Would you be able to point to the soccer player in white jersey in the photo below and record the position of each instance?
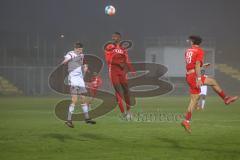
(76, 69)
(203, 94)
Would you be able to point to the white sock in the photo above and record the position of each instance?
(70, 111)
(203, 103)
(85, 110)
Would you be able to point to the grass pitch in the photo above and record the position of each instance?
(29, 130)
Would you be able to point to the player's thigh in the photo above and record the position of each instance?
(210, 81)
(83, 99)
(74, 98)
(115, 79)
(193, 88)
(194, 99)
(123, 78)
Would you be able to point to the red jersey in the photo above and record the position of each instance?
(116, 57)
(192, 55)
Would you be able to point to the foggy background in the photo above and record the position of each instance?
(36, 34)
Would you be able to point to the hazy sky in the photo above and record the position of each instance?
(85, 19)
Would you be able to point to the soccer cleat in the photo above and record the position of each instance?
(229, 100)
(186, 126)
(89, 121)
(129, 116)
(69, 124)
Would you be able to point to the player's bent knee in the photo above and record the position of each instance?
(83, 98)
(195, 97)
(74, 99)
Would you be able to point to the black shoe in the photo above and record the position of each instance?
(69, 124)
(89, 121)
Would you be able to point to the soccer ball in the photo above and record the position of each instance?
(110, 10)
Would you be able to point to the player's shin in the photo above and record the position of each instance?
(192, 104)
(70, 111)
(215, 86)
(127, 101)
(119, 101)
(203, 103)
(85, 111)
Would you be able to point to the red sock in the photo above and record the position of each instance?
(221, 94)
(188, 116)
(119, 100)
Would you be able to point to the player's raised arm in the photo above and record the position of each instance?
(65, 61)
(67, 57)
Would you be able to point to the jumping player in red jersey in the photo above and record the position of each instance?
(194, 61)
(119, 65)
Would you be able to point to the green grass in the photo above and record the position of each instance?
(30, 130)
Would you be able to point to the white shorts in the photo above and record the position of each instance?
(77, 84)
(203, 90)
(75, 80)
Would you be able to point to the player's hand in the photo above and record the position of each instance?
(206, 65)
(85, 70)
(199, 83)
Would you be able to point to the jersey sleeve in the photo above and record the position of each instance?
(108, 56)
(109, 47)
(67, 57)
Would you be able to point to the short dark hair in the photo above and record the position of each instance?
(78, 45)
(117, 33)
(197, 40)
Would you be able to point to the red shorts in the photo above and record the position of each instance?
(191, 80)
(118, 77)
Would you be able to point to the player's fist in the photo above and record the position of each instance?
(199, 82)
(206, 65)
(133, 73)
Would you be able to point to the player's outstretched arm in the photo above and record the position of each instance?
(206, 65)
(65, 61)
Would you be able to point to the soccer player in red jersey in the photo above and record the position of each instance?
(194, 61)
(119, 65)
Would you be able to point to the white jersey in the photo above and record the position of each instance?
(75, 63)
